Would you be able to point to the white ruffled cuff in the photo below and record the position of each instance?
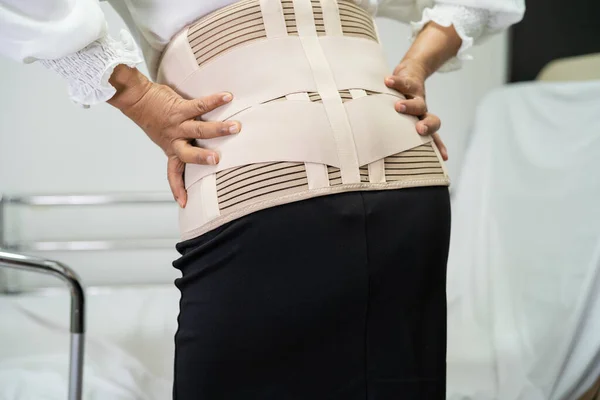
(87, 72)
(469, 23)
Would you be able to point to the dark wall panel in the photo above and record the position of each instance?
(553, 29)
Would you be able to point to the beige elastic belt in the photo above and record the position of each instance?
(307, 79)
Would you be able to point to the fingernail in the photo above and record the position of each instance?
(180, 202)
(234, 128)
(389, 81)
(227, 97)
(424, 129)
(211, 160)
(402, 108)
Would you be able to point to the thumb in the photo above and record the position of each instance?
(175, 169)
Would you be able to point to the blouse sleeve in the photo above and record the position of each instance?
(69, 37)
(473, 20)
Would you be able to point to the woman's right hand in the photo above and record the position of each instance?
(170, 121)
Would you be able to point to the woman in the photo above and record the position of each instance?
(316, 217)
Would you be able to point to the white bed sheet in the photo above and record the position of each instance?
(129, 345)
(524, 268)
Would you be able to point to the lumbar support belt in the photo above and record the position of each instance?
(307, 80)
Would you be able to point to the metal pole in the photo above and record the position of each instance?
(77, 324)
(76, 366)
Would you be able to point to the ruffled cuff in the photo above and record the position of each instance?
(469, 23)
(87, 72)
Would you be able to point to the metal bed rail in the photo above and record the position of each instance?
(66, 200)
(11, 258)
(90, 199)
(77, 320)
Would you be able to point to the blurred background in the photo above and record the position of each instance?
(522, 125)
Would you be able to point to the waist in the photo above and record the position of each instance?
(308, 84)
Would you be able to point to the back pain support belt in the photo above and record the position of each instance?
(307, 78)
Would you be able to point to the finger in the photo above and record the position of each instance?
(175, 169)
(416, 106)
(429, 124)
(194, 155)
(197, 107)
(407, 86)
(441, 146)
(192, 129)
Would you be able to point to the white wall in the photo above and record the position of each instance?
(48, 145)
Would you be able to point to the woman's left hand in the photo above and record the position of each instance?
(409, 79)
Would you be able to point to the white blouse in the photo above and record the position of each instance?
(70, 36)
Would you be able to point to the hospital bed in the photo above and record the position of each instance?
(523, 274)
(524, 265)
(77, 312)
(578, 68)
(129, 348)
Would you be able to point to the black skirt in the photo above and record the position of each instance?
(338, 297)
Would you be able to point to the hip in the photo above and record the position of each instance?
(334, 297)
